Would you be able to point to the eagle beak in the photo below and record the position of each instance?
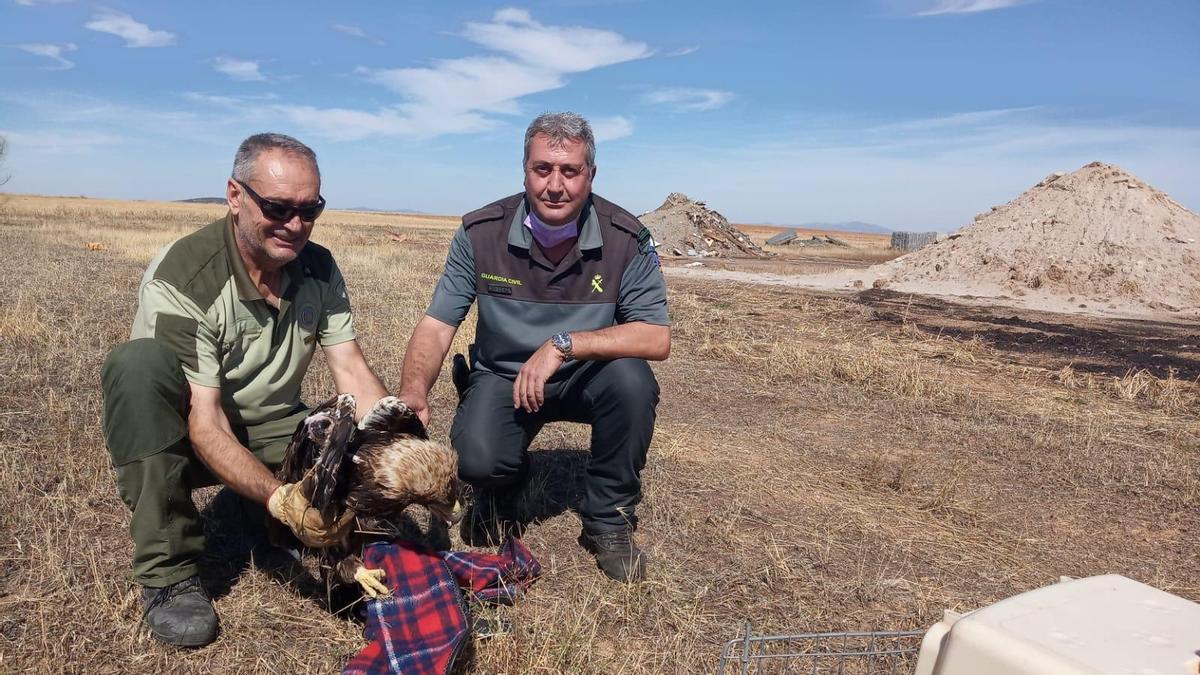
(450, 515)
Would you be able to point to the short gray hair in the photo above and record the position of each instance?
(561, 127)
(248, 152)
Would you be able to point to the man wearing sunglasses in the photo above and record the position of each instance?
(572, 304)
(208, 388)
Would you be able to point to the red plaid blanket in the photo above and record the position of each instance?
(421, 627)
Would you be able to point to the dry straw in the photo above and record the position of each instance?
(819, 463)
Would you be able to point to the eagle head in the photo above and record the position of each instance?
(406, 470)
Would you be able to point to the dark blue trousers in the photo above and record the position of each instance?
(617, 398)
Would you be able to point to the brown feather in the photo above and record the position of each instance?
(387, 477)
(378, 470)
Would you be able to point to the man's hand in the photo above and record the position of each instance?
(352, 375)
(427, 348)
(529, 390)
(289, 505)
(418, 403)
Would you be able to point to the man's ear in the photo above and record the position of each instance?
(593, 172)
(233, 196)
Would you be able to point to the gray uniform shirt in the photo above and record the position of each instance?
(611, 277)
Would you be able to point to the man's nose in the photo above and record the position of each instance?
(556, 181)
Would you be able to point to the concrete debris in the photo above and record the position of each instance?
(819, 242)
(690, 226)
(782, 238)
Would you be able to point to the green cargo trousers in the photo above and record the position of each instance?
(145, 426)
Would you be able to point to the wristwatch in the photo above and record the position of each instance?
(562, 342)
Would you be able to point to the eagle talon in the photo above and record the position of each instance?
(388, 406)
(372, 582)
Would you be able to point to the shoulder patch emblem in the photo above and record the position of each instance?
(308, 317)
(647, 245)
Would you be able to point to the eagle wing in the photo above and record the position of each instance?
(319, 451)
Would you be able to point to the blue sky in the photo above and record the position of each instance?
(906, 113)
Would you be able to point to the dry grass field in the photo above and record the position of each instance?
(821, 462)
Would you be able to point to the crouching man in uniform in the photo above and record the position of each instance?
(572, 304)
(208, 388)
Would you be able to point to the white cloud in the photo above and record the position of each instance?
(475, 83)
(611, 128)
(689, 100)
(51, 51)
(562, 49)
(465, 95)
(968, 6)
(684, 51)
(238, 69)
(134, 33)
(233, 102)
(57, 142)
(974, 118)
(72, 112)
(356, 31)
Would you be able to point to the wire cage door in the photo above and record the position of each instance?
(844, 653)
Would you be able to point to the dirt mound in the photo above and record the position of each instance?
(682, 226)
(1098, 235)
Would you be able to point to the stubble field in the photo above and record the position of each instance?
(821, 462)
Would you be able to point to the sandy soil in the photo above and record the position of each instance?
(852, 281)
(1095, 241)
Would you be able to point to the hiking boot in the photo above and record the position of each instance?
(180, 614)
(616, 554)
(487, 523)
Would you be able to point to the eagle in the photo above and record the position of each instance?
(378, 468)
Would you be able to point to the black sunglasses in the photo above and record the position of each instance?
(281, 212)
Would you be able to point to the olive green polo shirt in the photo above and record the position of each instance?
(198, 299)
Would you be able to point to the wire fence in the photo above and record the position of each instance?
(911, 241)
(849, 653)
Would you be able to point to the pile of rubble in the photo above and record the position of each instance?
(684, 227)
(1097, 237)
(793, 238)
(819, 242)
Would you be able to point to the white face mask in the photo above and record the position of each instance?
(550, 235)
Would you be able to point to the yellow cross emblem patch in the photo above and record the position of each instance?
(597, 284)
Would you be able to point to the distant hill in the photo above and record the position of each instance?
(203, 200)
(371, 210)
(851, 226)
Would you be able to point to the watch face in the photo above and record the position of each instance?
(562, 342)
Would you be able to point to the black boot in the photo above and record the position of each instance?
(617, 555)
(490, 519)
(180, 614)
(493, 516)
